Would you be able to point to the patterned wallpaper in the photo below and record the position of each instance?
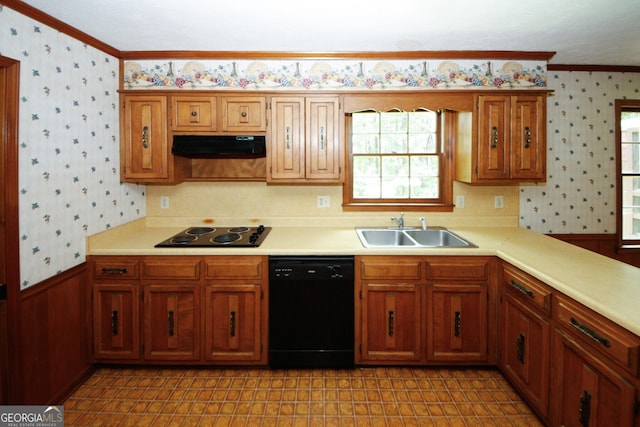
(69, 173)
(579, 196)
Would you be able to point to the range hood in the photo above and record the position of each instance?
(219, 146)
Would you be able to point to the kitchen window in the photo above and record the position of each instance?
(398, 159)
(628, 173)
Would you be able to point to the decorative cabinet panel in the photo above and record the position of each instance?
(233, 326)
(391, 327)
(116, 321)
(171, 322)
(524, 356)
(144, 153)
(244, 114)
(586, 391)
(305, 140)
(504, 142)
(193, 114)
(457, 322)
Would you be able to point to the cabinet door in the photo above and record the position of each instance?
(527, 138)
(287, 154)
(323, 151)
(193, 113)
(171, 322)
(390, 323)
(524, 352)
(493, 137)
(116, 323)
(145, 151)
(457, 323)
(233, 319)
(244, 114)
(586, 391)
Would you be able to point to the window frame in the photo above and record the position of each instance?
(622, 105)
(447, 128)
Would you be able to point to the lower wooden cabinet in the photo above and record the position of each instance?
(233, 324)
(391, 327)
(457, 323)
(585, 390)
(171, 322)
(116, 321)
(173, 309)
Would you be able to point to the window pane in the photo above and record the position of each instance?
(425, 187)
(393, 122)
(366, 187)
(366, 166)
(392, 143)
(365, 143)
(395, 187)
(395, 166)
(422, 143)
(425, 166)
(631, 208)
(365, 123)
(422, 122)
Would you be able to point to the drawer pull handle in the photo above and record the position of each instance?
(122, 270)
(232, 323)
(584, 410)
(523, 289)
(288, 137)
(145, 137)
(390, 323)
(520, 348)
(456, 324)
(322, 137)
(589, 332)
(494, 137)
(114, 322)
(171, 323)
(527, 137)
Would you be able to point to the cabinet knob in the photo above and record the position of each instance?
(194, 113)
(243, 114)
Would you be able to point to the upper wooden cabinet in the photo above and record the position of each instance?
(144, 153)
(503, 141)
(193, 113)
(305, 140)
(244, 113)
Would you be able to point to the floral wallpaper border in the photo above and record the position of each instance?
(334, 74)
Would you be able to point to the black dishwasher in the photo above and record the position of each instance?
(311, 313)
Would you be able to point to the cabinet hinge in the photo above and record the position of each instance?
(636, 408)
(360, 293)
(261, 294)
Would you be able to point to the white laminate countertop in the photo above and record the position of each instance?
(607, 286)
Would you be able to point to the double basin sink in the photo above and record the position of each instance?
(411, 238)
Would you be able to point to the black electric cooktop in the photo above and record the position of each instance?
(199, 237)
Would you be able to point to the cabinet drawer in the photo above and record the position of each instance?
(527, 288)
(115, 268)
(187, 268)
(234, 267)
(244, 113)
(393, 268)
(451, 268)
(600, 333)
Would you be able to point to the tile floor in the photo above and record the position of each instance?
(322, 397)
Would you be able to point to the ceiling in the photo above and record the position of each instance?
(588, 32)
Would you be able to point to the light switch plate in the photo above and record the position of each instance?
(324, 201)
(499, 202)
(460, 202)
(164, 202)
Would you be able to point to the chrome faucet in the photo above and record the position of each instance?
(399, 221)
(424, 223)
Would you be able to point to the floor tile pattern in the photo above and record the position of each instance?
(377, 396)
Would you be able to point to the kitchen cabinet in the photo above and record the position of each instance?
(192, 113)
(457, 326)
(244, 114)
(144, 154)
(524, 338)
(171, 322)
(305, 140)
(388, 316)
(180, 309)
(426, 310)
(503, 140)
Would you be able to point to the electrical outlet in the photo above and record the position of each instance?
(324, 201)
(499, 202)
(164, 202)
(460, 202)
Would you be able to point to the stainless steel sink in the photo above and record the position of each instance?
(411, 238)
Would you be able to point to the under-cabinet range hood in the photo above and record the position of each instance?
(219, 146)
